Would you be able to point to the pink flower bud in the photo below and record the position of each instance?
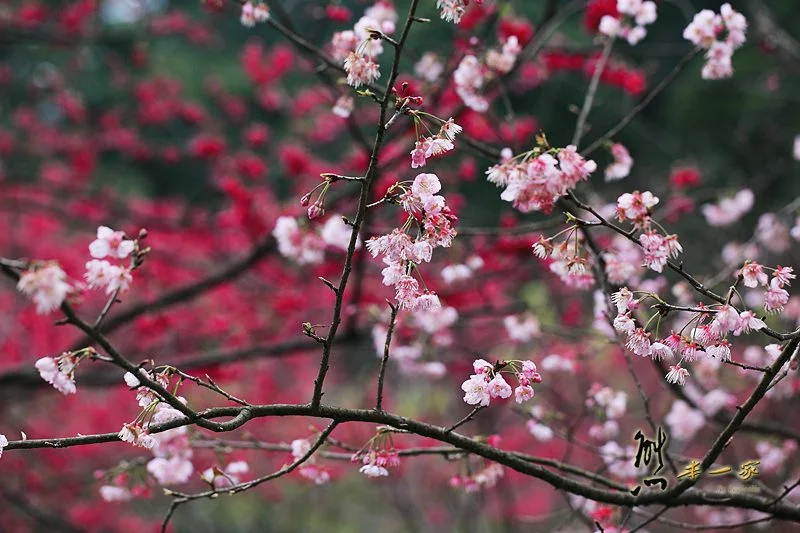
(316, 210)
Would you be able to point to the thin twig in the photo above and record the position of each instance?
(592, 91)
(464, 420)
(381, 374)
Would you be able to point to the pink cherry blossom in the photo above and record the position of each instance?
(361, 70)
(677, 375)
(523, 393)
(46, 285)
(110, 243)
(498, 387)
(477, 390)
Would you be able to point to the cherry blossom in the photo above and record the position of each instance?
(522, 328)
(111, 493)
(533, 183)
(136, 435)
(251, 14)
(110, 243)
(622, 164)
(677, 375)
(634, 16)
(429, 67)
(60, 371)
(361, 70)
(452, 10)
(705, 31)
(729, 209)
(684, 421)
(46, 284)
(344, 106)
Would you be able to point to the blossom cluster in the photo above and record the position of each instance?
(612, 404)
(658, 249)
(720, 35)
(401, 253)
(433, 145)
(522, 328)
(411, 340)
(304, 245)
(137, 432)
(470, 77)
(622, 164)
(100, 273)
(228, 476)
(60, 371)
(708, 338)
(358, 48)
(634, 15)
(533, 181)
(253, 13)
(487, 382)
(453, 10)
(776, 297)
(472, 73)
(729, 209)
(46, 284)
(374, 462)
(172, 452)
(485, 478)
(457, 272)
(309, 469)
(502, 61)
(377, 455)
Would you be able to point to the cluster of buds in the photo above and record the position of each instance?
(488, 382)
(358, 48)
(402, 254)
(720, 35)
(377, 454)
(253, 12)
(60, 371)
(634, 15)
(534, 180)
(431, 145)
